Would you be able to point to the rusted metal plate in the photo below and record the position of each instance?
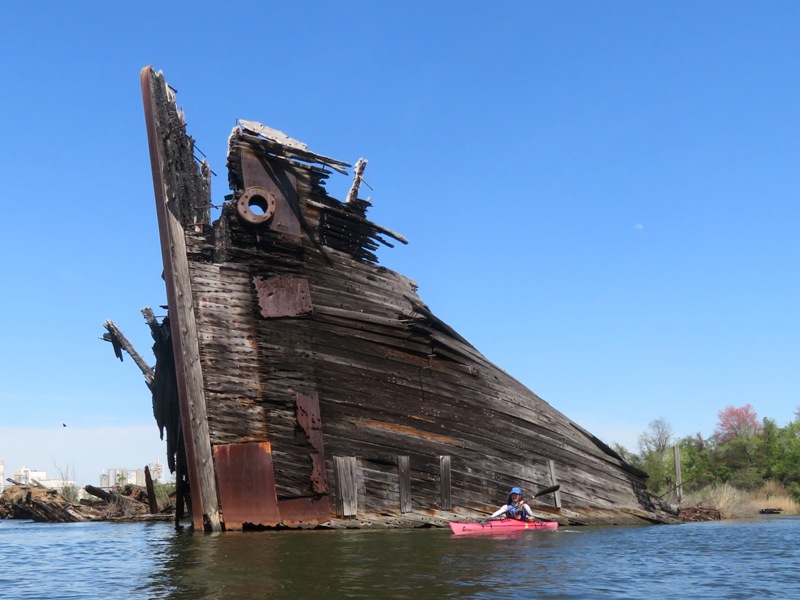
(283, 296)
(247, 484)
(319, 483)
(310, 422)
(305, 511)
(281, 186)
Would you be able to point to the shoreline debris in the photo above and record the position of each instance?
(46, 505)
(693, 514)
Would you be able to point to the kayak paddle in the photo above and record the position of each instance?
(547, 490)
(544, 492)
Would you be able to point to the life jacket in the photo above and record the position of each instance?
(516, 511)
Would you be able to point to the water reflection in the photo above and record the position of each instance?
(705, 560)
(328, 564)
(702, 560)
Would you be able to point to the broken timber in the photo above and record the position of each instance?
(314, 386)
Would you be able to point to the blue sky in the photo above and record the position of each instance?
(600, 196)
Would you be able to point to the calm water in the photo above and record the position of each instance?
(749, 559)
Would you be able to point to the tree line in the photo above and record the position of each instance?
(743, 451)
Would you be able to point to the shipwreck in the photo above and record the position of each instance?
(302, 384)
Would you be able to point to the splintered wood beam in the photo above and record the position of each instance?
(357, 218)
(117, 336)
(150, 319)
(358, 177)
(280, 143)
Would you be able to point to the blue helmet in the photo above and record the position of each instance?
(516, 490)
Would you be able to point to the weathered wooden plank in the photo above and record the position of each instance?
(404, 474)
(445, 482)
(554, 481)
(179, 294)
(346, 486)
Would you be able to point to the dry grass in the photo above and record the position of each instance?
(733, 503)
(729, 501)
(773, 495)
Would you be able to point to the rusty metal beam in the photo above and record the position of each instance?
(310, 422)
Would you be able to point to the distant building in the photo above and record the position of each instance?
(120, 476)
(25, 475)
(28, 476)
(115, 476)
(61, 484)
(156, 471)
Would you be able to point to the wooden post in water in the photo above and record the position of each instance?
(676, 452)
(151, 492)
(444, 474)
(404, 473)
(557, 494)
(344, 469)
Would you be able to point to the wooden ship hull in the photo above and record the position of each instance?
(302, 384)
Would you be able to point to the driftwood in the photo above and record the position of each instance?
(46, 505)
(132, 493)
(121, 505)
(41, 504)
(102, 494)
(698, 513)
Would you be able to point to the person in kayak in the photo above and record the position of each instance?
(516, 508)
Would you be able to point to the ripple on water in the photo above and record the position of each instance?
(705, 560)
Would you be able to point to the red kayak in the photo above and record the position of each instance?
(503, 525)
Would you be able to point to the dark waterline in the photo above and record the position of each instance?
(736, 559)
